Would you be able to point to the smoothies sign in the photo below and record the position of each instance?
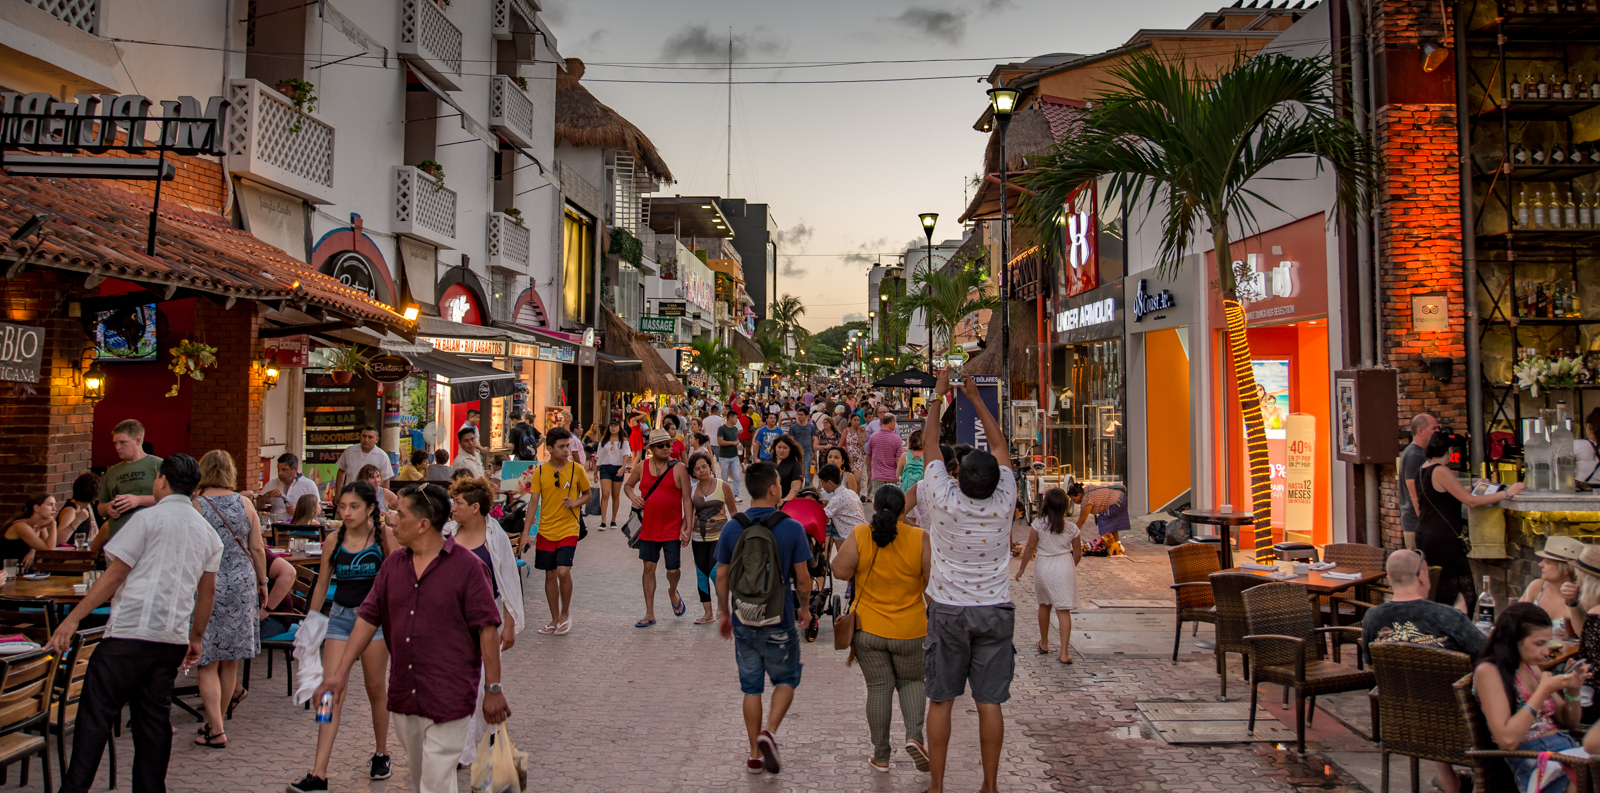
(1300, 445)
(1272, 387)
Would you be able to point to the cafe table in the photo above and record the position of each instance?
(1225, 523)
(57, 588)
(1318, 583)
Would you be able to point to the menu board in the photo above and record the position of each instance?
(334, 417)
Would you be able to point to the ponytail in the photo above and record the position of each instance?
(887, 504)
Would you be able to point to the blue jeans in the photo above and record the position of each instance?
(1523, 767)
(772, 651)
(728, 470)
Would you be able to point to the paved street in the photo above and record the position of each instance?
(611, 707)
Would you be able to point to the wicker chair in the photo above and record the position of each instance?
(1228, 590)
(1413, 709)
(1192, 566)
(1286, 649)
(1489, 769)
(1347, 607)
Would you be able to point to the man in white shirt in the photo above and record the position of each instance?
(972, 620)
(709, 425)
(468, 457)
(164, 562)
(359, 455)
(284, 492)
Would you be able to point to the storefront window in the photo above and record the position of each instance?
(1088, 435)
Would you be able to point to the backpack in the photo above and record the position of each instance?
(756, 582)
(525, 439)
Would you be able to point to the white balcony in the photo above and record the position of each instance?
(509, 243)
(423, 207)
(81, 14)
(503, 11)
(725, 317)
(270, 141)
(431, 42)
(511, 111)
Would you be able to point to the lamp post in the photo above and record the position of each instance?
(1003, 101)
(872, 325)
(928, 219)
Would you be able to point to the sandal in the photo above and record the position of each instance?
(644, 623)
(209, 740)
(1044, 649)
(238, 697)
(548, 629)
(564, 628)
(679, 607)
(705, 620)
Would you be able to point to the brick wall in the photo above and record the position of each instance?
(45, 428)
(199, 184)
(227, 404)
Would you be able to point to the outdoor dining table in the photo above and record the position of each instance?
(57, 588)
(1225, 523)
(1318, 583)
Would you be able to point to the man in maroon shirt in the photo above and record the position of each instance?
(431, 600)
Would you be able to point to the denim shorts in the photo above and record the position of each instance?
(342, 620)
(773, 652)
(1523, 767)
(611, 473)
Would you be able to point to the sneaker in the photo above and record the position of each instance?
(754, 765)
(768, 746)
(311, 784)
(380, 766)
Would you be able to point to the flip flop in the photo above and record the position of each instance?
(1042, 650)
(679, 607)
(564, 628)
(705, 620)
(644, 623)
(547, 630)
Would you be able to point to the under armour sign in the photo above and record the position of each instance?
(1087, 315)
(1078, 228)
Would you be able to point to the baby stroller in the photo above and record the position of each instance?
(807, 509)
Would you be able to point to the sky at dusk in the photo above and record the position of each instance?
(845, 166)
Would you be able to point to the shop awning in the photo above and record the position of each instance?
(621, 364)
(468, 380)
(631, 366)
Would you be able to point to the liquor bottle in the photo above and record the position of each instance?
(1564, 462)
(1519, 293)
(1541, 301)
(1590, 7)
(1569, 214)
(1529, 87)
(1575, 155)
(1538, 154)
(1572, 6)
(1566, 87)
(1536, 450)
(1594, 148)
(1522, 210)
(1585, 213)
(1542, 88)
(1515, 89)
(1558, 155)
(1581, 90)
(1576, 309)
(1483, 615)
(1538, 211)
(1552, 7)
(1519, 155)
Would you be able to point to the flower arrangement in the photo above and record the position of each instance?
(1548, 374)
(188, 358)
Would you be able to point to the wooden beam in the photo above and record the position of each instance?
(296, 330)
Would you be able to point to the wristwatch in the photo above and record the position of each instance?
(492, 688)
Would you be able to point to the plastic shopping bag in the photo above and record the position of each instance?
(308, 656)
(499, 767)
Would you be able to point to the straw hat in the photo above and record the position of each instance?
(1562, 549)
(658, 435)
(1589, 560)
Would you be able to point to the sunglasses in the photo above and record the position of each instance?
(663, 445)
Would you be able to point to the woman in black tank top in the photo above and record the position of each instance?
(1441, 524)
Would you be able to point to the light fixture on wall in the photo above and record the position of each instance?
(94, 384)
(270, 372)
(411, 313)
(1433, 52)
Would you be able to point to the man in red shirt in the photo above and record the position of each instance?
(668, 515)
(746, 424)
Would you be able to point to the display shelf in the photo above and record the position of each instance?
(1539, 236)
(1545, 321)
(1549, 173)
(1538, 109)
(1560, 28)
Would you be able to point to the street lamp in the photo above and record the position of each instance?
(1003, 101)
(928, 219)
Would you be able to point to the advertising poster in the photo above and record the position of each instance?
(1300, 472)
(968, 429)
(1272, 388)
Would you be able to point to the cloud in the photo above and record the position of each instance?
(858, 317)
(940, 24)
(793, 240)
(997, 6)
(554, 12)
(866, 254)
(698, 44)
(592, 41)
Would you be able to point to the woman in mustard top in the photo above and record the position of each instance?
(889, 561)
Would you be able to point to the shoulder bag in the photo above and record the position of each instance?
(636, 515)
(583, 531)
(235, 536)
(844, 629)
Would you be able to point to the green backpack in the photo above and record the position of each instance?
(755, 576)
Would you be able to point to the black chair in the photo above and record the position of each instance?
(68, 690)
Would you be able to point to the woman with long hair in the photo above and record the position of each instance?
(713, 503)
(909, 469)
(351, 557)
(1525, 707)
(613, 457)
(855, 441)
(786, 455)
(1055, 581)
(826, 437)
(1583, 615)
(77, 518)
(1441, 525)
(840, 457)
(889, 561)
(387, 500)
(234, 632)
(33, 528)
(306, 510)
(476, 532)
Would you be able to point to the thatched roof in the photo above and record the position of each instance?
(1024, 346)
(1034, 131)
(653, 374)
(586, 122)
(749, 353)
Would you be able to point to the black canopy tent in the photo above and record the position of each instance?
(468, 380)
(910, 378)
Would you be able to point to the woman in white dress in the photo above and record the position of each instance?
(1055, 541)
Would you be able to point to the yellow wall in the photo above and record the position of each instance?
(1166, 415)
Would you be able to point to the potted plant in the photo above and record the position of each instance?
(188, 358)
(302, 94)
(434, 170)
(513, 213)
(1539, 373)
(522, 82)
(345, 363)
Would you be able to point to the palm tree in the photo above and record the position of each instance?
(783, 319)
(945, 299)
(770, 343)
(1187, 145)
(720, 362)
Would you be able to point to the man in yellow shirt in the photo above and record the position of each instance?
(561, 487)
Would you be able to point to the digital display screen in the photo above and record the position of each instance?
(126, 334)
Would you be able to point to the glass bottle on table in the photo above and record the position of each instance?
(1483, 613)
(1536, 452)
(1564, 462)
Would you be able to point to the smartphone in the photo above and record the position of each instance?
(955, 362)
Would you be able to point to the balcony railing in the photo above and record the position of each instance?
(423, 207)
(81, 14)
(509, 243)
(503, 11)
(272, 142)
(511, 111)
(431, 42)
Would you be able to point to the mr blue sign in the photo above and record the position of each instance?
(1146, 303)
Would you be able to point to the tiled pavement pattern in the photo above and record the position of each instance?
(611, 707)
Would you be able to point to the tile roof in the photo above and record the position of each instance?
(96, 228)
(1063, 117)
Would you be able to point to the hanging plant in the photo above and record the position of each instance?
(434, 170)
(345, 363)
(513, 213)
(188, 358)
(304, 97)
(626, 246)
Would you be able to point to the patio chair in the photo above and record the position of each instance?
(63, 562)
(291, 612)
(1414, 712)
(31, 618)
(1192, 566)
(24, 708)
(68, 689)
(1227, 589)
(1346, 607)
(1286, 649)
(1490, 771)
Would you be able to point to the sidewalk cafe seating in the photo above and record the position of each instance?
(68, 690)
(25, 687)
(1286, 648)
(63, 562)
(1489, 767)
(1414, 712)
(290, 612)
(1192, 566)
(1228, 590)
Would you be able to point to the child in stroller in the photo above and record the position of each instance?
(808, 511)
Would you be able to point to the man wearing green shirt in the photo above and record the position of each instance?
(127, 486)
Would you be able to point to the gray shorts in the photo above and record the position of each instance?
(969, 644)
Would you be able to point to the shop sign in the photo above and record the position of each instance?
(1100, 312)
(671, 309)
(109, 122)
(468, 346)
(322, 456)
(288, 350)
(21, 350)
(1080, 233)
(331, 437)
(1430, 314)
(389, 368)
(969, 429)
(1146, 303)
(339, 419)
(520, 350)
(1300, 472)
(665, 325)
(335, 399)
(557, 354)
(1282, 274)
